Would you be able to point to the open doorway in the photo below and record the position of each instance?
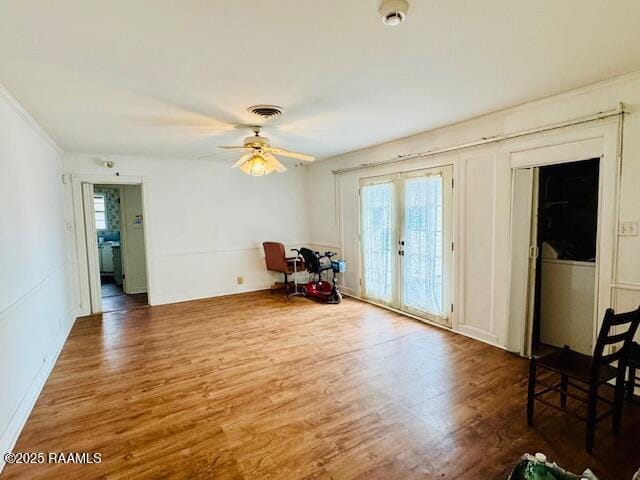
(554, 260)
(116, 230)
(565, 274)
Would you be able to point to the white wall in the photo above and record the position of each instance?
(206, 222)
(36, 294)
(482, 197)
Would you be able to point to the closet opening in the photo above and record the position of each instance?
(566, 227)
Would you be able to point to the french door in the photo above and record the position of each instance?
(406, 241)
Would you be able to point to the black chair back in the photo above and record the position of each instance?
(628, 322)
(310, 260)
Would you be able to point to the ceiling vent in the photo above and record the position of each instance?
(265, 111)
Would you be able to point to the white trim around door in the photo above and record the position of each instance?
(87, 270)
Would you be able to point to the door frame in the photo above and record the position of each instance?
(447, 171)
(93, 252)
(123, 239)
(90, 296)
(599, 141)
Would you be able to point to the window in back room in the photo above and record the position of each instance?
(100, 207)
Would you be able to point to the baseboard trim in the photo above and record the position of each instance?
(168, 299)
(21, 415)
(395, 310)
(135, 291)
(478, 334)
(470, 334)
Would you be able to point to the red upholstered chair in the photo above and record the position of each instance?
(277, 261)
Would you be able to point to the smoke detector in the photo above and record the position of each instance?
(265, 111)
(393, 12)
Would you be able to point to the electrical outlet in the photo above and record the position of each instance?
(240, 280)
(628, 229)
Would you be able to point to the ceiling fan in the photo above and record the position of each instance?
(259, 159)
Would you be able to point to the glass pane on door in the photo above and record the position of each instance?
(423, 249)
(378, 241)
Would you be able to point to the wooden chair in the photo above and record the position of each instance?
(633, 362)
(589, 373)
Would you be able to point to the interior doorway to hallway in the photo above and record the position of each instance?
(116, 246)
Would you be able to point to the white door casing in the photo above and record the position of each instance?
(91, 239)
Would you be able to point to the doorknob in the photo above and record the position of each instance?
(401, 252)
(401, 242)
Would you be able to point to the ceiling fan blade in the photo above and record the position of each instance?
(235, 149)
(274, 163)
(242, 160)
(287, 153)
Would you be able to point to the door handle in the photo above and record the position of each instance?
(401, 252)
(533, 252)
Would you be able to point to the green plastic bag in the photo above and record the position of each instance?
(537, 468)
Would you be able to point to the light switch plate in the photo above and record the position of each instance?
(628, 229)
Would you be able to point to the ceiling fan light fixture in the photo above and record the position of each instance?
(259, 156)
(256, 166)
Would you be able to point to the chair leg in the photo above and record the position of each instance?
(591, 417)
(564, 386)
(618, 402)
(531, 390)
(631, 383)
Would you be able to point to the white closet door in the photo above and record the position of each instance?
(523, 259)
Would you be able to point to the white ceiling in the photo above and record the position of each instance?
(173, 78)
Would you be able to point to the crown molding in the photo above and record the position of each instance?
(20, 110)
(513, 109)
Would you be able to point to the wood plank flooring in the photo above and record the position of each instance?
(254, 386)
(113, 298)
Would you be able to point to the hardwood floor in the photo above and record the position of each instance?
(253, 386)
(113, 298)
